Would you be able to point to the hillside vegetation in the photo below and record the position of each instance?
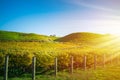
(21, 47)
(17, 36)
(85, 38)
(80, 37)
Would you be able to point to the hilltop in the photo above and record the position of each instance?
(85, 38)
(18, 36)
(79, 37)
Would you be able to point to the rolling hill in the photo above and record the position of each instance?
(21, 47)
(17, 36)
(85, 38)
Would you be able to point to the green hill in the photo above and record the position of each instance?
(21, 47)
(17, 36)
(80, 37)
(84, 37)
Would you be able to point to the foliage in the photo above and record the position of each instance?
(21, 47)
(85, 38)
(29, 37)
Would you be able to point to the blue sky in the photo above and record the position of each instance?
(60, 17)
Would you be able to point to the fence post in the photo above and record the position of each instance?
(71, 65)
(33, 67)
(118, 60)
(110, 59)
(55, 66)
(104, 60)
(95, 61)
(6, 67)
(84, 63)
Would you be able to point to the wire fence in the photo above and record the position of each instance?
(11, 70)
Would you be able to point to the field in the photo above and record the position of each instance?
(21, 47)
(107, 73)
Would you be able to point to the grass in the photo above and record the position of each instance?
(107, 73)
(22, 46)
(25, 37)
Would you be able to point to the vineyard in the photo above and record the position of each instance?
(21, 51)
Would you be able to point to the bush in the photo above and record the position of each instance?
(19, 63)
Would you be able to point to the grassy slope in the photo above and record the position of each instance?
(85, 38)
(108, 73)
(17, 36)
(81, 37)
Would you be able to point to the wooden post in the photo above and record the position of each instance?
(84, 63)
(95, 61)
(104, 60)
(6, 67)
(33, 67)
(118, 59)
(55, 67)
(71, 65)
(111, 60)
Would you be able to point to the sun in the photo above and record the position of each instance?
(112, 27)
